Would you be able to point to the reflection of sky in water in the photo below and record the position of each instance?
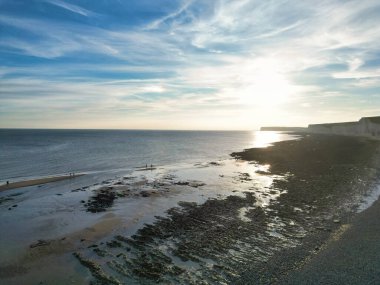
(267, 138)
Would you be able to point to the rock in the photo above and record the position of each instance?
(101, 201)
(183, 183)
(262, 172)
(196, 184)
(145, 194)
(40, 242)
(113, 244)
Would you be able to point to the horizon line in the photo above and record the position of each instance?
(111, 129)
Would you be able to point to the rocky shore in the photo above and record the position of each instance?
(329, 175)
(319, 181)
(264, 216)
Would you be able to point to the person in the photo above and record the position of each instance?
(151, 166)
(146, 166)
(7, 182)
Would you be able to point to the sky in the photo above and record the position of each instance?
(187, 64)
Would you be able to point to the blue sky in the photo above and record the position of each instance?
(187, 64)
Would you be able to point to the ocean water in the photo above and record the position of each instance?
(26, 154)
(56, 211)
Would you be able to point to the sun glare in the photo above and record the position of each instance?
(265, 139)
(265, 86)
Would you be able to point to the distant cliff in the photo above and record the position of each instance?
(366, 126)
(284, 129)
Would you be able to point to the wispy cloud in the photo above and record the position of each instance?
(156, 23)
(236, 58)
(71, 7)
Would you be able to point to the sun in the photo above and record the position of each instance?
(265, 87)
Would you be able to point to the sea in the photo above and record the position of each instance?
(42, 225)
(56, 213)
(27, 154)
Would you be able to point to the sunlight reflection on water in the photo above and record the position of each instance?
(267, 138)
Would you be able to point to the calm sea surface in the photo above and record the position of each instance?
(35, 153)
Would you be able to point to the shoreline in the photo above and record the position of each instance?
(350, 258)
(338, 171)
(236, 236)
(38, 181)
(261, 216)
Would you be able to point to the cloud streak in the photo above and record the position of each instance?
(70, 7)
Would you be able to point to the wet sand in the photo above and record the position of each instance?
(32, 182)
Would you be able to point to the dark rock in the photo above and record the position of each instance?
(183, 183)
(113, 243)
(145, 193)
(40, 242)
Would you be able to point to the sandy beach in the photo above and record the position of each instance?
(39, 181)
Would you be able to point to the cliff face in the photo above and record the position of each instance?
(284, 129)
(367, 126)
